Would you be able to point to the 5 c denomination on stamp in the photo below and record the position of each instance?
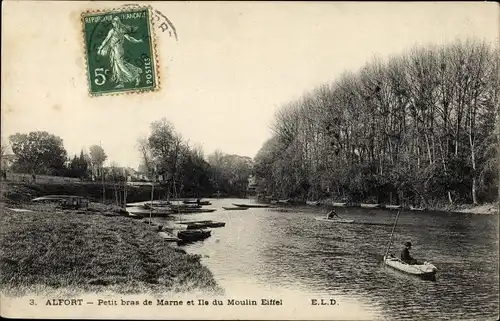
(120, 51)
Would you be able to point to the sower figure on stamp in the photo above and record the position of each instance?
(406, 256)
(112, 46)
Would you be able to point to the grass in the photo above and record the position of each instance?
(50, 250)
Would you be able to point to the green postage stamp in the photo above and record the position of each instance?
(120, 51)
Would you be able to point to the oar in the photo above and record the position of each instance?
(392, 233)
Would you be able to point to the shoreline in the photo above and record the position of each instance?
(49, 250)
(482, 209)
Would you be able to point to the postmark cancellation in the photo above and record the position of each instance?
(120, 51)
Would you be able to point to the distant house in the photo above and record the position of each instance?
(7, 161)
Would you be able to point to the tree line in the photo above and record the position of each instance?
(416, 129)
(165, 158)
(40, 152)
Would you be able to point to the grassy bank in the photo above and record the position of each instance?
(25, 192)
(87, 251)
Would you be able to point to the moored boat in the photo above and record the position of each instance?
(419, 209)
(236, 208)
(251, 205)
(335, 204)
(313, 203)
(334, 220)
(393, 207)
(371, 206)
(193, 235)
(196, 202)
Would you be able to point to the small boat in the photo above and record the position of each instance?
(251, 205)
(313, 203)
(417, 209)
(196, 202)
(393, 207)
(157, 203)
(333, 220)
(143, 212)
(234, 208)
(371, 206)
(202, 224)
(193, 235)
(425, 270)
(339, 204)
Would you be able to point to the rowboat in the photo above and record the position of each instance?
(234, 208)
(313, 203)
(372, 206)
(196, 202)
(193, 235)
(251, 205)
(333, 220)
(425, 270)
(334, 204)
(393, 207)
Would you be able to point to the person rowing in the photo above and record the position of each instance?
(332, 214)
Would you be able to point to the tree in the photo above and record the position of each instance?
(97, 158)
(78, 166)
(38, 153)
(420, 127)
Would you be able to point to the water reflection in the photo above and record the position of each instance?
(289, 250)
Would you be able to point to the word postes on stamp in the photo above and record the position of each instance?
(120, 51)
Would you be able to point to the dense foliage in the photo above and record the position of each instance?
(178, 168)
(183, 169)
(418, 129)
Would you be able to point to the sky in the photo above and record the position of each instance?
(233, 65)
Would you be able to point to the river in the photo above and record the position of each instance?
(288, 251)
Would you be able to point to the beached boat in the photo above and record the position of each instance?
(339, 204)
(196, 202)
(372, 206)
(193, 235)
(157, 203)
(251, 205)
(202, 224)
(143, 212)
(425, 270)
(333, 220)
(234, 208)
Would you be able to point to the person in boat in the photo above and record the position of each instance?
(331, 214)
(406, 256)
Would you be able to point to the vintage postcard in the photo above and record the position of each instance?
(250, 160)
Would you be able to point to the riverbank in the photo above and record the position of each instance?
(488, 208)
(46, 249)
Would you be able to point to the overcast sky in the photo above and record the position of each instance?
(233, 65)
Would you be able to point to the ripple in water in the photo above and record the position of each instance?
(289, 251)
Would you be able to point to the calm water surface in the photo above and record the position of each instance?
(289, 249)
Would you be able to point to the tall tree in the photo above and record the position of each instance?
(97, 158)
(38, 153)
